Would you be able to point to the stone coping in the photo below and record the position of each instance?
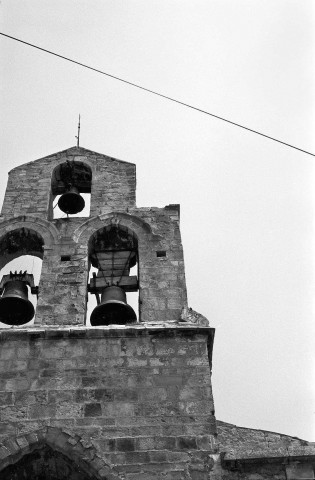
(135, 330)
(232, 462)
(250, 445)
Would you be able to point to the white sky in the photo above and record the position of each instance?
(247, 203)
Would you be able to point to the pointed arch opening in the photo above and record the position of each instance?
(114, 271)
(46, 463)
(48, 447)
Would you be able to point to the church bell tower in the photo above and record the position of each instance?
(105, 371)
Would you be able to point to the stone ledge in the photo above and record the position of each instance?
(249, 445)
(112, 331)
(235, 461)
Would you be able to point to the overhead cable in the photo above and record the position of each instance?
(156, 93)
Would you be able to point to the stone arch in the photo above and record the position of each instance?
(78, 171)
(113, 253)
(44, 228)
(131, 240)
(38, 233)
(68, 447)
(77, 157)
(67, 174)
(142, 231)
(19, 242)
(132, 223)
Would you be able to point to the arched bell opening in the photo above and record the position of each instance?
(113, 260)
(70, 190)
(45, 463)
(21, 253)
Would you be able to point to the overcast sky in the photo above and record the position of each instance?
(247, 203)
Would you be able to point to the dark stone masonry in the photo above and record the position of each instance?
(123, 400)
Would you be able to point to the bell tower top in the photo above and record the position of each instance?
(32, 187)
(113, 250)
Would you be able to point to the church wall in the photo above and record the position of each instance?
(140, 396)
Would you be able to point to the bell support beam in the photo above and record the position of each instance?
(128, 283)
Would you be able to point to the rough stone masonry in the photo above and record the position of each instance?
(118, 401)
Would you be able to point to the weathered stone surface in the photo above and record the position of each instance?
(260, 455)
(132, 414)
(239, 442)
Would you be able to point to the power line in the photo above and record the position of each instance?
(156, 93)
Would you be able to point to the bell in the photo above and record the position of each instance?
(15, 308)
(71, 202)
(113, 309)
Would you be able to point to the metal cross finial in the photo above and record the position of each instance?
(78, 136)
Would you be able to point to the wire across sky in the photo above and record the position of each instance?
(156, 93)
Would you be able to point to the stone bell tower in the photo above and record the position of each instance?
(123, 393)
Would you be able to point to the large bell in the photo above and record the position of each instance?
(71, 202)
(113, 309)
(15, 308)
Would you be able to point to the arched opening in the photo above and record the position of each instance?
(45, 463)
(21, 253)
(113, 261)
(70, 190)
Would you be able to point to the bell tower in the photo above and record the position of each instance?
(130, 384)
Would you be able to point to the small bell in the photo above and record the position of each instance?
(15, 308)
(71, 202)
(113, 309)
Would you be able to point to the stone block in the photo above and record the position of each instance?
(125, 444)
(40, 411)
(13, 413)
(186, 443)
(30, 397)
(92, 410)
(6, 398)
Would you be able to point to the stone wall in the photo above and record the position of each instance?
(139, 398)
(241, 442)
(29, 186)
(250, 454)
